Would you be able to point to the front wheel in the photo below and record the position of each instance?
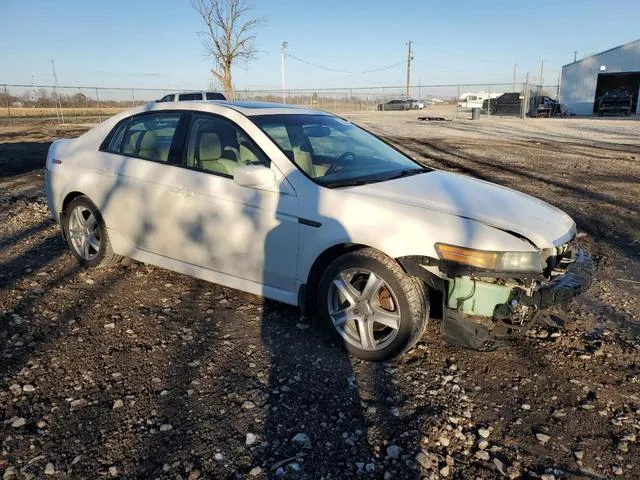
(372, 306)
(86, 234)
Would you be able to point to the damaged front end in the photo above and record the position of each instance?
(489, 296)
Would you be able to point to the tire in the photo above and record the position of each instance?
(398, 299)
(86, 234)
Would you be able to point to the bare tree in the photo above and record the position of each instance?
(229, 36)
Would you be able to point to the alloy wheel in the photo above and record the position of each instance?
(84, 232)
(363, 309)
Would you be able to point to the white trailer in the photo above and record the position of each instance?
(475, 99)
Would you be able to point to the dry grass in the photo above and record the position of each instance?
(52, 112)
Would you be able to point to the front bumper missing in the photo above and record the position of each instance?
(572, 277)
(564, 287)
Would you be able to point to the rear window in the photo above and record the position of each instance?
(215, 96)
(190, 96)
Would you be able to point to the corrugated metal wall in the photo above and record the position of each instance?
(579, 79)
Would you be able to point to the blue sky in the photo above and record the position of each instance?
(155, 44)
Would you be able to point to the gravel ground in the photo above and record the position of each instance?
(140, 372)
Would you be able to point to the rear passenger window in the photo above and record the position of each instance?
(149, 136)
(190, 96)
(215, 96)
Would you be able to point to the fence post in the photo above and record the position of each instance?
(458, 102)
(6, 98)
(133, 99)
(489, 103)
(526, 94)
(98, 100)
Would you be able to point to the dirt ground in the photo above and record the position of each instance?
(138, 372)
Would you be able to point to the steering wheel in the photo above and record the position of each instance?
(340, 161)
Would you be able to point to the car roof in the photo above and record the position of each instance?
(247, 108)
(192, 91)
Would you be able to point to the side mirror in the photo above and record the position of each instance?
(255, 176)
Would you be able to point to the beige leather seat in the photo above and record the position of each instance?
(143, 144)
(304, 161)
(246, 155)
(210, 155)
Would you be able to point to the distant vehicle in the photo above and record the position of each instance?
(417, 104)
(474, 100)
(396, 105)
(617, 101)
(191, 96)
(505, 104)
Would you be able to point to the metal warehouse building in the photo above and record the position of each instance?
(585, 81)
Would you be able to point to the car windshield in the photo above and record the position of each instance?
(334, 152)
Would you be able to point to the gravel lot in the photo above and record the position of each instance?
(138, 372)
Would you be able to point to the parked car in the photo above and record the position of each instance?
(192, 96)
(505, 104)
(417, 104)
(307, 208)
(396, 105)
(617, 101)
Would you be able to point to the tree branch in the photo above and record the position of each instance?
(229, 35)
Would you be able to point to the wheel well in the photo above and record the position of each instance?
(68, 199)
(306, 301)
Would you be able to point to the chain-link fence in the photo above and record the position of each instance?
(73, 104)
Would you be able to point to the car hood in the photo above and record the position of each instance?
(542, 224)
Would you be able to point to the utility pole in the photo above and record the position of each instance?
(575, 55)
(6, 98)
(409, 58)
(284, 95)
(541, 73)
(513, 85)
(56, 94)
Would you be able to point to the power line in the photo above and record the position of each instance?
(389, 67)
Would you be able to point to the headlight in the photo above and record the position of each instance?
(489, 260)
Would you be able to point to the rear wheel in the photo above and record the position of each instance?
(372, 306)
(86, 234)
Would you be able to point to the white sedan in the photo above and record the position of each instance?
(306, 208)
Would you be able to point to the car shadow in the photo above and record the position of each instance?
(22, 157)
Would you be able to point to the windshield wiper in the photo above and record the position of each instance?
(408, 173)
(347, 183)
